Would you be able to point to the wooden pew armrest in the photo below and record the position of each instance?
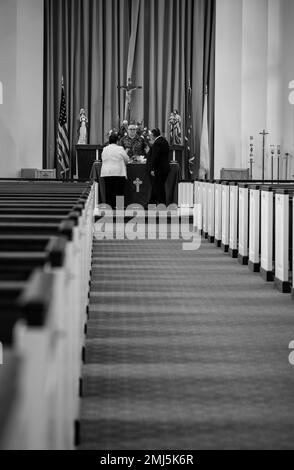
(36, 297)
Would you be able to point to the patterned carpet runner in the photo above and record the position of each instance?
(184, 350)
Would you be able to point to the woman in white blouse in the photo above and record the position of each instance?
(114, 171)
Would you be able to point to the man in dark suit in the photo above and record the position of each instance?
(158, 166)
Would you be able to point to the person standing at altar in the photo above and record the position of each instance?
(158, 166)
(113, 170)
(133, 143)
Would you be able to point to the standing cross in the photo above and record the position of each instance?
(137, 183)
(129, 88)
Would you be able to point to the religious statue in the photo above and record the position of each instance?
(83, 129)
(175, 123)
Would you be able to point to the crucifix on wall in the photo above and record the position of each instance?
(129, 88)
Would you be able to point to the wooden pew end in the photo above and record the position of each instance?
(225, 248)
(283, 286)
(268, 276)
(243, 260)
(254, 267)
(233, 253)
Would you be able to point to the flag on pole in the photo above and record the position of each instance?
(204, 169)
(62, 135)
(189, 126)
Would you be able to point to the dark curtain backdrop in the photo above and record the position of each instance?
(97, 44)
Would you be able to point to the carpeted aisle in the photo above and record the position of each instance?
(184, 350)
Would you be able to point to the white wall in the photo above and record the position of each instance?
(253, 77)
(228, 84)
(258, 51)
(21, 73)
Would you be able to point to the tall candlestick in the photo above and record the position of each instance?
(279, 156)
(272, 161)
(287, 157)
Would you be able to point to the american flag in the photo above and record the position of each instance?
(62, 137)
(189, 127)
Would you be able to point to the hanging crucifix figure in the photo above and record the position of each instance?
(129, 88)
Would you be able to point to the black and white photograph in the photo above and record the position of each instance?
(146, 228)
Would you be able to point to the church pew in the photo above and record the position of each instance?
(75, 327)
(254, 224)
(268, 216)
(228, 223)
(245, 234)
(206, 197)
(268, 210)
(38, 227)
(283, 238)
(243, 229)
(23, 228)
(245, 203)
(225, 197)
(264, 214)
(8, 387)
(218, 214)
(42, 187)
(205, 206)
(28, 422)
(25, 242)
(23, 217)
(38, 204)
(267, 233)
(217, 203)
(87, 216)
(211, 210)
(253, 235)
(198, 202)
(233, 220)
(30, 210)
(61, 319)
(65, 386)
(260, 232)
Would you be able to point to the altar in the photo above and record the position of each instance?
(138, 185)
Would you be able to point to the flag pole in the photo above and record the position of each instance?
(204, 141)
(63, 148)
